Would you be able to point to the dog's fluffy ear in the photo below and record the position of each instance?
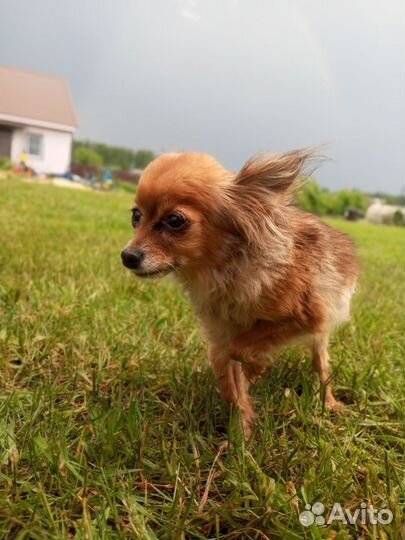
(276, 173)
(252, 203)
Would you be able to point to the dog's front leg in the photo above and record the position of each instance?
(252, 347)
(269, 333)
(232, 384)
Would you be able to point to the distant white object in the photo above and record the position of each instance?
(37, 120)
(379, 212)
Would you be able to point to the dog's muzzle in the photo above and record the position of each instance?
(132, 259)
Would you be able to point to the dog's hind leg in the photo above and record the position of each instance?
(320, 363)
(233, 385)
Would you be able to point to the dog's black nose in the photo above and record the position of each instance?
(132, 259)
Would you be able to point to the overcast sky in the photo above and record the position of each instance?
(229, 77)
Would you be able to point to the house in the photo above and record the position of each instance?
(37, 120)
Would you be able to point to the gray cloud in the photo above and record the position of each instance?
(230, 78)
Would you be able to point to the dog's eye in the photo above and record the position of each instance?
(136, 217)
(175, 221)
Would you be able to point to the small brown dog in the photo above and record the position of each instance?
(260, 272)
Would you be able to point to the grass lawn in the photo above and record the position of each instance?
(110, 422)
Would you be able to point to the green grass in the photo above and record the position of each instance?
(110, 422)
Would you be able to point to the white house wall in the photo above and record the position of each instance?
(56, 149)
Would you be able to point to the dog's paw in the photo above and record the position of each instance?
(335, 406)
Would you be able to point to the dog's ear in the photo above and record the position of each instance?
(276, 173)
(252, 203)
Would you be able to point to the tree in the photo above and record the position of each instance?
(87, 156)
(313, 198)
(116, 157)
(143, 158)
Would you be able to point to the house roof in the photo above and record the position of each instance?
(29, 95)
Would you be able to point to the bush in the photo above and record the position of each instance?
(87, 156)
(320, 201)
(5, 164)
(399, 218)
(312, 198)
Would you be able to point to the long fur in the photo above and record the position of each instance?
(260, 272)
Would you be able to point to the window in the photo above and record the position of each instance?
(34, 144)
